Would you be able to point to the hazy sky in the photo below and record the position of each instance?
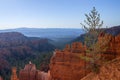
(55, 13)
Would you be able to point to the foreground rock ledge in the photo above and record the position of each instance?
(110, 71)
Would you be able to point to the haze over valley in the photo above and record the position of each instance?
(59, 40)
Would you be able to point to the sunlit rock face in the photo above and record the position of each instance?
(113, 48)
(31, 73)
(110, 71)
(28, 73)
(14, 75)
(67, 64)
(117, 45)
(114, 44)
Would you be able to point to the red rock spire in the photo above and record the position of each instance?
(14, 75)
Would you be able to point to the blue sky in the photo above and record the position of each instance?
(55, 13)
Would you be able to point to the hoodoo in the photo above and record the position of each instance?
(67, 64)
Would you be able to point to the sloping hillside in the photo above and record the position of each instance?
(59, 36)
(17, 49)
(113, 31)
(51, 33)
(110, 71)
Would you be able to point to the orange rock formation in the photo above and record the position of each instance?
(113, 48)
(14, 75)
(67, 64)
(110, 71)
(31, 73)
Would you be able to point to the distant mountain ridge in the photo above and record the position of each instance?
(115, 30)
(50, 33)
(11, 39)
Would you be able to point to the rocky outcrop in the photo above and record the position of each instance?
(113, 48)
(31, 73)
(14, 75)
(110, 71)
(67, 64)
(15, 49)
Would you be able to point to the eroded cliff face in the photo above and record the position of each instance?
(117, 45)
(67, 64)
(30, 73)
(110, 71)
(113, 47)
(14, 75)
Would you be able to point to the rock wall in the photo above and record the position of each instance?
(110, 71)
(67, 64)
(113, 47)
(31, 73)
(14, 75)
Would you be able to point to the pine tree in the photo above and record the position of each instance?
(93, 26)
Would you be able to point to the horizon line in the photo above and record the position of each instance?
(42, 28)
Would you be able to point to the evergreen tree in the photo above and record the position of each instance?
(92, 26)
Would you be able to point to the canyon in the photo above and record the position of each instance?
(66, 64)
